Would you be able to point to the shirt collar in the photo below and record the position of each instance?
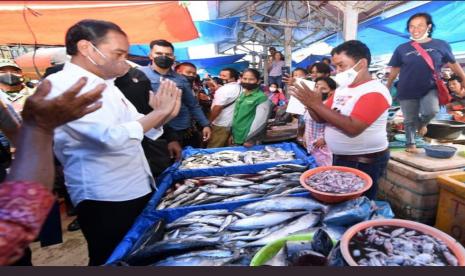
(79, 71)
(170, 72)
(252, 92)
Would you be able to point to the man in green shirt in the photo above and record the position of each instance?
(251, 111)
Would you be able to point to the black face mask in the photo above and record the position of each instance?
(163, 62)
(324, 96)
(190, 79)
(10, 79)
(220, 81)
(250, 86)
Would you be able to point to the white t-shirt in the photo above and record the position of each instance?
(223, 96)
(367, 102)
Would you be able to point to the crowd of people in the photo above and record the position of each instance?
(115, 128)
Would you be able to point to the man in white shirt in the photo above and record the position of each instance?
(223, 105)
(106, 172)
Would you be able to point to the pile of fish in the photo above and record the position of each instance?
(395, 246)
(334, 181)
(223, 237)
(277, 181)
(227, 158)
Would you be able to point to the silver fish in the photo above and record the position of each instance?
(301, 223)
(282, 204)
(263, 221)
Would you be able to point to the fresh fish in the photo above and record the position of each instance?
(229, 219)
(322, 242)
(152, 235)
(282, 204)
(234, 183)
(236, 158)
(263, 221)
(193, 261)
(304, 222)
(154, 252)
(224, 191)
(215, 212)
(306, 257)
(279, 259)
(242, 197)
(335, 257)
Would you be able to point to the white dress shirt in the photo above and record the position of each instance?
(101, 152)
(226, 94)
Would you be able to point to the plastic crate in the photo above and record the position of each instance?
(450, 216)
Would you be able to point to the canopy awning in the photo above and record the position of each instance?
(46, 22)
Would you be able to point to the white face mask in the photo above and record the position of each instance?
(272, 89)
(347, 77)
(423, 37)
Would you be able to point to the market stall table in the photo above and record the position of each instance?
(410, 183)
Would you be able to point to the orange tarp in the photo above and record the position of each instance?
(143, 21)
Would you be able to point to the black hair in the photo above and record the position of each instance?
(354, 49)
(92, 30)
(253, 71)
(272, 48)
(331, 83)
(325, 58)
(320, 68)
(184, 64)
(233, 73)
(427, 17)
(274, 84)
(162, 43)
(300, 69)
(282, 56)
(455, 77)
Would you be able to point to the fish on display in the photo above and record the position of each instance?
(236, 158)
(398, 246)
(223, 237)
(273, 182)
(334, 181)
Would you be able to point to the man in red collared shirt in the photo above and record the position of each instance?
(356, 115)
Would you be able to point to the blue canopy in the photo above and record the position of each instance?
(239, 66)
(384, 33)
(210, 31)
(309, 61)
(214, 61)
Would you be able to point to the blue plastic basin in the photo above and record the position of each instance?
(439, 151)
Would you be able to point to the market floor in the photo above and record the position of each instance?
(72, 252)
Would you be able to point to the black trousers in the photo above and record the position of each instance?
(105, 223)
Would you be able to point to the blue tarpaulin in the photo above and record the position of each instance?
(301, 158)
(384, 33)
(210, 31)
(308, 61)
(214, 61)
(203, 63)
(239, 66)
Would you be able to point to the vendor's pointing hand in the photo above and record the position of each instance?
(305, 95)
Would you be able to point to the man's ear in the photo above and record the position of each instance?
(83, 47)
